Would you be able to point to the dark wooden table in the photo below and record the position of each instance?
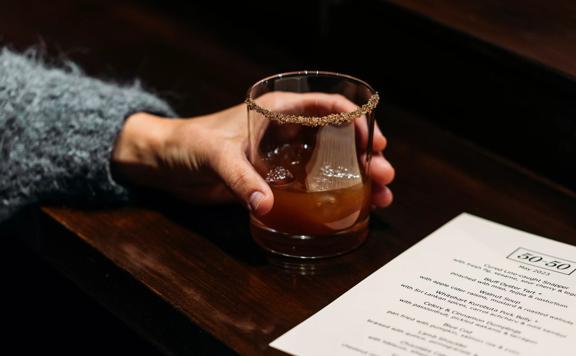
(189, 278)
(201, 261)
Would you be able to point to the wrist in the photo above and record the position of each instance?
(138, 146)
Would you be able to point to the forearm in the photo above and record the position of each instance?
(57, 132)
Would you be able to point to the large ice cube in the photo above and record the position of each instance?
(330, 177)
(334, 163)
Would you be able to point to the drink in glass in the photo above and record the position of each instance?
(310, 138)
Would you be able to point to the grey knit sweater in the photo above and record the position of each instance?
(57, 131)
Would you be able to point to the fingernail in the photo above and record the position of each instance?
(255, 200)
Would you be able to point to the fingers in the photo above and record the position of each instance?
(379, 142)
(239, 175)
(382, 173)
(381, 196)
(310, 104)
(319, 104)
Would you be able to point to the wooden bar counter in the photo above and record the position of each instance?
(201, 261)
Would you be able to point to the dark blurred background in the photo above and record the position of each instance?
(492, 90)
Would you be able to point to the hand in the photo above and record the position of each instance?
(203, 159)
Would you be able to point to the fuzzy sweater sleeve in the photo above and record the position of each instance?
(57, 131)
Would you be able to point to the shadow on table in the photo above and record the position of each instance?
(226, 226)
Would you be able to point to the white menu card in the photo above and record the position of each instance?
(473, 287)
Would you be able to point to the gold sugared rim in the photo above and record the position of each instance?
(333, 119)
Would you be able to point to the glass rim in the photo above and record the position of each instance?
(318, 73)
(334, 118)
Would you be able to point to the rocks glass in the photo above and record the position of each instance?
(310, 138)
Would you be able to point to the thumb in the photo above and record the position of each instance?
(241, 177)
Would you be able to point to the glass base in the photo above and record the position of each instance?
(307, 246)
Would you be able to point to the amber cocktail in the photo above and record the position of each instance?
(309, 139)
